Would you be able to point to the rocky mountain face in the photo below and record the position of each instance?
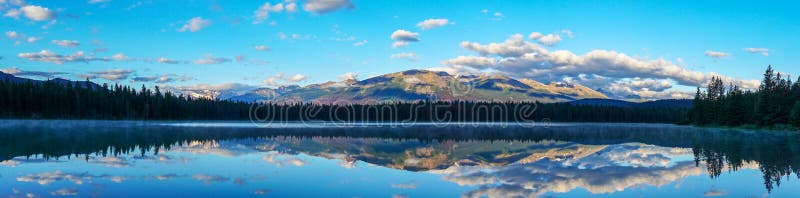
(415, 85)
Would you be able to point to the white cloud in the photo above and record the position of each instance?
(262, 48)
(37, 13)
(50, 57)
(715, 54)
(195, 24)
(403, 37)
(405, 55)
(472, 61)
(167, 61)
(762, 51)
(326, 6)
(13, 13)
(120, 57)
(432, 23)
(296, 78)
(66, 43)
(33, 39)
(98, 1)
(398, 44)
(549, 39)
(349, 76)
(17, 72)
(262, 13)
(290, 7)
(281, 79)
(209, 59)
(360, 43)
(162, 78)
(518, 58)
(535, 35)
(12, 35)
(295, 36)
(114, 74)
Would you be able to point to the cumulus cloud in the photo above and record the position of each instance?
(715, 54)
(66, 43)
(472, 61)
(644, 84)
(113, 74)
(548, 39)
(167, 78)
(403, 37)
(432, 23)
(296, 78)
(19, 38)
(37, 13)
(195, 24)
(281, 79)
(50, 57)
(405, 55)
(262, 48)
(209, 59)
(762, 51)
(518, 58)
(326, 6)
(17, 72)
(262, 13)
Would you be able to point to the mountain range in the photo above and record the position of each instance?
(409, 86)
(413, 85)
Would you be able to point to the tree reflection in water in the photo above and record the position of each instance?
(422, 148)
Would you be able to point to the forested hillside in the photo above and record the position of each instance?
(775, 103)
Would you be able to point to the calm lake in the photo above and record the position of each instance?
(141, 159)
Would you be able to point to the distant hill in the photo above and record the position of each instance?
(11, 78)
(680, 103)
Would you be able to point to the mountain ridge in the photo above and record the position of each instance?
(416, 84)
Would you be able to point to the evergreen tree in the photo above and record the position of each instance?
(765, 93)
(794, 118)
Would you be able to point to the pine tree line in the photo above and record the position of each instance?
(85, 100)
(775, 103)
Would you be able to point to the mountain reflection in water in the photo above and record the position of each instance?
(569, 159)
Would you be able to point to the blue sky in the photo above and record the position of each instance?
(657, 49)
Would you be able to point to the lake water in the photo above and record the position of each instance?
(143, 159)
